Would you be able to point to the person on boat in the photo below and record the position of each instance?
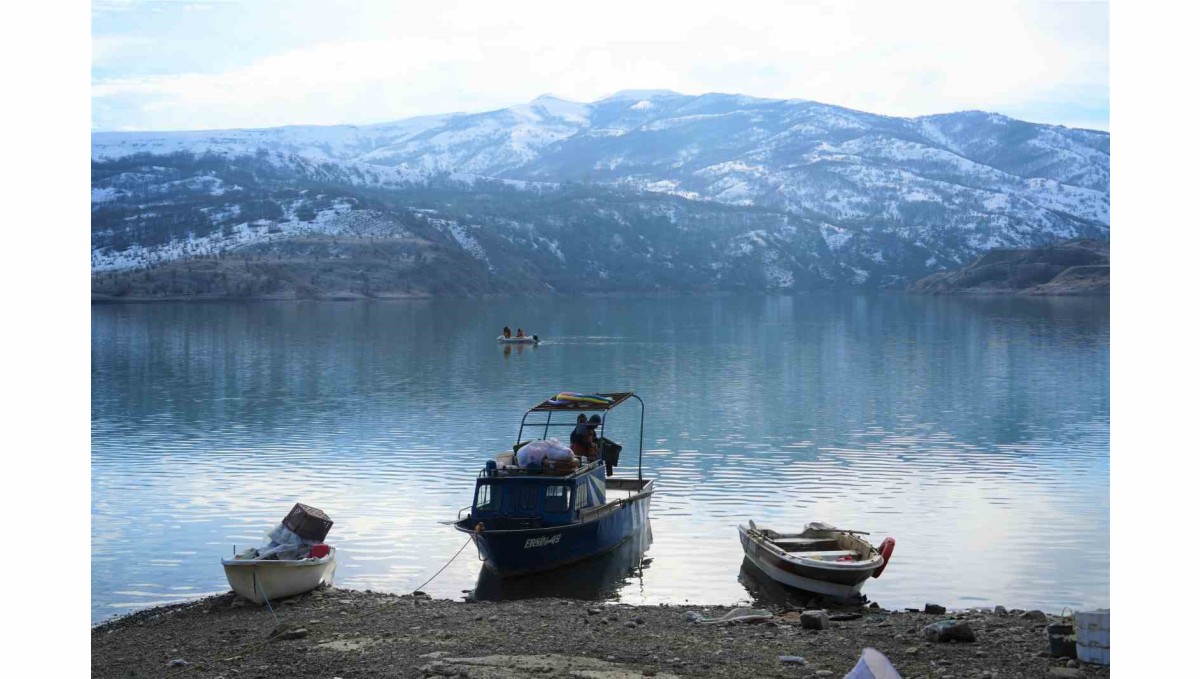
(507, 332)
(583, 438)
(520, 333)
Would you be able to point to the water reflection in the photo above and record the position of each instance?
(973, 427)
(599, 578)
(765, 592)
(518, 349)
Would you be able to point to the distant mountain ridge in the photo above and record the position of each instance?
(810, 195)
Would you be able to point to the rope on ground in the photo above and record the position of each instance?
(460, 550)
(389, 605)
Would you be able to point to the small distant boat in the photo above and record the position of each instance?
(820, 559)
(528, 339)
(260, 580)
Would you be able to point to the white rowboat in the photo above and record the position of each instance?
(260, 580)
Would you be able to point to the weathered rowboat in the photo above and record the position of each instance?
(261, 580)
(530, 520)
(821, 558)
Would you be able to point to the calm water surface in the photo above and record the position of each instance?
(974, 431)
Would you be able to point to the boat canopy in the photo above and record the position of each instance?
(554, 405)
(550, 404)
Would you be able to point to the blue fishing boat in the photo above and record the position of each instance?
(527, 519)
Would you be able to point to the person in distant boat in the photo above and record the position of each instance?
(507, 332)
(520, 333)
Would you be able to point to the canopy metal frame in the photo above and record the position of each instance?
(577, 408)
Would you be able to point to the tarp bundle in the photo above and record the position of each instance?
(534, 453)
(284, 544)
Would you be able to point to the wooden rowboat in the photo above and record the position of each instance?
(821, 558)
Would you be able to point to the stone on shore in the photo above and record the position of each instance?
(935, 609)
(792, 660)
(1034, 615)
(1000, 610)
(949, 630)
(298, 633)
(814, 620)
(282, 633)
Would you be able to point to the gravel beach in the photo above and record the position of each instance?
(344, 633)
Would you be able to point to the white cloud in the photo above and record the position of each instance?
(390, 61)
(109, 48)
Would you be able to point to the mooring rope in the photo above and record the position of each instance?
(460, 550)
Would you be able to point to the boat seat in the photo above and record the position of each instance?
(830, 555)
(799, 544)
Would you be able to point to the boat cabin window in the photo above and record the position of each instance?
(581, 496)
(556, 498)
(527, 498)
(485, 499)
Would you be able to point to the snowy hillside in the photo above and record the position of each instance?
(814, 195)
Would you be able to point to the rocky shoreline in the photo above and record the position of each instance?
(1072, 268)
(346, 633)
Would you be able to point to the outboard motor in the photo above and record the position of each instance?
(610, 452)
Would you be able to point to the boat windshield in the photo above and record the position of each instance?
(487, 498)
(557, 498)
(523, 498)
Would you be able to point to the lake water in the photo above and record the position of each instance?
(975, 431)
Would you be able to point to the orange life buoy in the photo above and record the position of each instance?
(885, 550)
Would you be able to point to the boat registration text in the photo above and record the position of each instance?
(543, 541)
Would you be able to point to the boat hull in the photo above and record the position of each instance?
(839, 583)
(596, 579)
(511, 553)
(260, 581)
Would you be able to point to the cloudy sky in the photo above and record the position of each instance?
(172, 65)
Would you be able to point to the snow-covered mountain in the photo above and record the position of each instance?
(808, 194)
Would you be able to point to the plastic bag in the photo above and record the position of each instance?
(873, 665)
(557, 451)
(283, 544)
(534, 453)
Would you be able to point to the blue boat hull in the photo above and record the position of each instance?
(599, 578)
(532, 550)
